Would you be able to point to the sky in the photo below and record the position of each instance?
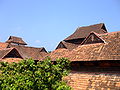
(44, 23)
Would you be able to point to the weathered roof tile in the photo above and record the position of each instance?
(16, 40)
(110, 50)
(30, 52)
(82, 32)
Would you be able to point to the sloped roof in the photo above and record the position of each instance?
(30, 52)
(109, 50)
(4, 52)
(82, 32)
(17, 40)
(68, 45)
(3, 45)
(58, 53)
(98, 51)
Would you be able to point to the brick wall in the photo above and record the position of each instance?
(92, 81)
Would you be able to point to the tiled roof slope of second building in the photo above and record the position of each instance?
(30, 52)
(82, 32)
(17, 40)
(58, 53)
(110, 50)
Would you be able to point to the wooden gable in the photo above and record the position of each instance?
(104, 28)
(60, 45)
(13, 54)
(92, 38)
(43, 50)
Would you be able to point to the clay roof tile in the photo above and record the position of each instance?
(17, 40)
(82, 32)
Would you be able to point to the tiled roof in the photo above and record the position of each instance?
(82, 32)
(99, 51)
(58, 53)
(68, 45)
(16, 45)
(17, 40)
(3, 45)
(30, 52)
(110, 50)
(10, 60)
(4, 52)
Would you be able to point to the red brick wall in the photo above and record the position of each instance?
(91, 81)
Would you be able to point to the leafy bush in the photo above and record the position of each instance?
(27, 75)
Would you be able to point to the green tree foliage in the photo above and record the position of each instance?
(27, 75)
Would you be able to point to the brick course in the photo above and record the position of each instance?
(92, 81)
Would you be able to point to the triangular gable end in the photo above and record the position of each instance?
(61, 45)
(43, 50)
(9, 38)
(92, 38)
(12, 54)
(104, 28)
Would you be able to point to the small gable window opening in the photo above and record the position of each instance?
(92, 38)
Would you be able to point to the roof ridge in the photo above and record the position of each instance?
(109, 33)
(92, 25)
(16, 37)
(82, 32)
